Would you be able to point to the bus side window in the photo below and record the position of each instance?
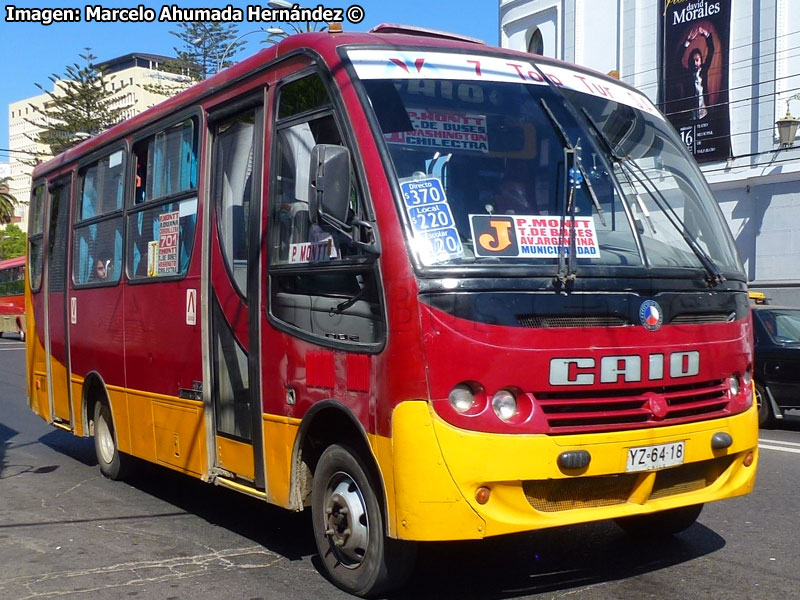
(97, 243)
(161, 225)
(35, 237)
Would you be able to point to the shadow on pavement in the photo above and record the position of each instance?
(548, 561)
(6, 433)
(81, 449)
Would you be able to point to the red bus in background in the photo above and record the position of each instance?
(12, 296)
(429, 289)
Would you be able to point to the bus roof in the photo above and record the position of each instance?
(325, 44)
(12, 262)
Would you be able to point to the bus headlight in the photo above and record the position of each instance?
(733, 385)
(504, 404)
(461, 398)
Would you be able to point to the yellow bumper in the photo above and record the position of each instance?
(437, 468)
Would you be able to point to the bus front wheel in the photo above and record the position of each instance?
(660, 524)
(349, 527)
(112, 463)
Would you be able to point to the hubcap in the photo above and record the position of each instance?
(105, 440)
(346, 523)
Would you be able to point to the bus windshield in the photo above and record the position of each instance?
(504, 168)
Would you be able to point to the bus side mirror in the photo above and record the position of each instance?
(329, 185)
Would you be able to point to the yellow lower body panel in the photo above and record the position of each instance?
(437, 469)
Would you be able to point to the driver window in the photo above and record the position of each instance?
(322, 283)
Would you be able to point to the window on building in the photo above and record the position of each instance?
(536, 42)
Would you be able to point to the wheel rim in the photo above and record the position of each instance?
(105, 440)
(759, 401)
(346, 522)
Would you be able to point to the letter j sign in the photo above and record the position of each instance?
(494, 235)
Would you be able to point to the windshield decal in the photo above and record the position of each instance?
(529, 236)
(448, 131)
(602, 88)
(435, 236)
(394, 64)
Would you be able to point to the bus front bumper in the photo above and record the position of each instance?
(437, 470)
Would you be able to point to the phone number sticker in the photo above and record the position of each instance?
(435, 236)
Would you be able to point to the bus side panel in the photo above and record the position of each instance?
(163, 360)
(180, 432)
(96, 343)
(35, 354)
(280, 434)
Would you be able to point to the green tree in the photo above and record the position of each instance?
(80, 105)
(13, 242)
(206, 48)
(7, 202)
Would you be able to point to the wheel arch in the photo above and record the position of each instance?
(94, 391)
(328, 422)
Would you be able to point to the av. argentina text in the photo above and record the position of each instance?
(97, 13)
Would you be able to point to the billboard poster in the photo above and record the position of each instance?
(695, 43)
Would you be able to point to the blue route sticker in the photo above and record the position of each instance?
(435, 235)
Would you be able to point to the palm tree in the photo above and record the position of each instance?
(7, 202)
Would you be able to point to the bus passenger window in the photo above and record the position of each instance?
(98, 229)
(161, 224)
(35, 237)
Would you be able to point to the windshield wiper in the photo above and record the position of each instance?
(574, 177)
(631, 167)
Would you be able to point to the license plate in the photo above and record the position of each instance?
(647, 458)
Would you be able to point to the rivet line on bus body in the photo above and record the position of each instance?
(574, 459)
(721, 440)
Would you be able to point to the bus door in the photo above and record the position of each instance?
(235, 198)
(56, 342)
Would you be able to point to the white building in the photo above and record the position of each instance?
(758, 184)
(127, 76)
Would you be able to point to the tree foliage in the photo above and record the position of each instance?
(81, 104)
(7, 202)
(207, 45)
(207, 48)
(12, 242)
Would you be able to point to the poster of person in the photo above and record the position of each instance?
(695, 42)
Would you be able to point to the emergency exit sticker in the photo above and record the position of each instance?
(435, 234)
(191, 307)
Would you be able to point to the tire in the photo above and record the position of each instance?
(661, 524)
(112, 462)
(22, 335)
(765, 415)
(356, 554)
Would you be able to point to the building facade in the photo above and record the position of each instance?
(756, 48)
(131, 79)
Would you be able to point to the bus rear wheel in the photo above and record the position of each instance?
(349, 527)
(112, 463)
(661, 524)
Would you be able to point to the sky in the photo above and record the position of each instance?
(31, 52)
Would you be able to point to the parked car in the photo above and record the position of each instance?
(777, 361)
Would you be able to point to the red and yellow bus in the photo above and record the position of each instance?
(12, 296)
(430, 289)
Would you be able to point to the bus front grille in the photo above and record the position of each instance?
(574, 412)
